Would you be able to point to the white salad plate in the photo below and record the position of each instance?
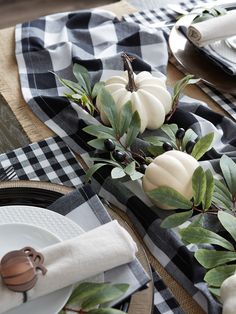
(23, 225)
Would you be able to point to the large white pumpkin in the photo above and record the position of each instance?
(228, 295)
(173, 169)
(147, 93)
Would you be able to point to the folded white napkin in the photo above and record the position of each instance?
(217, 28)
(77, 259)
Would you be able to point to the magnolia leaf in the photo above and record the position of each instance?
(125, 117)
(210, 184)
(190, 135)
(202, 146)
(108, 105)
(117, 172)
(98, 143)
(228, 168)
(108, 294)
(130, 169)
(133, 129)
(90, 172)
(228, 221)
(85, 290)
(105, 311)
(136, 175)
(155, 150)
(212, 258)
(169, 196)
(216, 276)
(197, 221)
(170, 130)
(100, 130)
(198, 185)
(82, 76)
(199, 235)
(177, 219)
(97, 88)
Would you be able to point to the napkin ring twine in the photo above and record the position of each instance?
(18, 269)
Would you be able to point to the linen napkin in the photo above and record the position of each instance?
(74, 260)
(212, 30)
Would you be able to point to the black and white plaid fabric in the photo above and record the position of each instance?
(52, 161)
(96, 39)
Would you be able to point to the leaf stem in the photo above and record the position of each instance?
(127, 65)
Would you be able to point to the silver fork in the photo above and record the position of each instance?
(7, 173)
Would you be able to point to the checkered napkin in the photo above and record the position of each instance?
(96, 39)
(147, 17)
(52, 161)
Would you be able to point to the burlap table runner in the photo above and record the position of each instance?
(36, 130)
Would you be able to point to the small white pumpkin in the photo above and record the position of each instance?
(148, 95)
(173, 169)
(228, 295)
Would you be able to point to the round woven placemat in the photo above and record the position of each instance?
(141, 302)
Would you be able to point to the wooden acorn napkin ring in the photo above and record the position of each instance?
(18, 269)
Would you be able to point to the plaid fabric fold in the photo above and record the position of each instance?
(96, 39)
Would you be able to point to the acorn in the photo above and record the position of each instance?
(167, 146)
(19, 269)
(109, 145)
(189, 146)
(119, 155)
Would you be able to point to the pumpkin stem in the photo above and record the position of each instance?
(127, 65)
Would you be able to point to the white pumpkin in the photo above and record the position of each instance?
(147, 93)
(173, 169)
(228, 295)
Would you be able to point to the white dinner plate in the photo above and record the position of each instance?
(62, 228)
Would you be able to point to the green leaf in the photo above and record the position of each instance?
(100, 130)
(155, 150)
(130, 169)
(73, 86)
(221, 196)
(177, 219)
(199, 235)
(125, 117)
(216, 276)
(136, 175)
(180, 86)
(117, 173)
(98, 143)
(108, 105)
(155, 140)
(210, 185)
(202, 146)
(108, 161)
(82, 76)
(97, 88)
(133, 130)
(212, 258)
(169, 196)
(170, 130)
(86, 290)
(197, 221)
(90, 172)
(215, 291)
(198, 185)
(108, 294)
(105, 311)
(190, 135)
(228, 221)
(228, 168)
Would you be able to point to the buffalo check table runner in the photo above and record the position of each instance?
(52, 161)
(96, 39)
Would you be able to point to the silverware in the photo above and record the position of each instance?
(7, 173)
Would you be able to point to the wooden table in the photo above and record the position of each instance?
(28, 128)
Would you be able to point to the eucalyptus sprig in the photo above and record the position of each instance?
(220, 264)
(92, 298)
(83, 92)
